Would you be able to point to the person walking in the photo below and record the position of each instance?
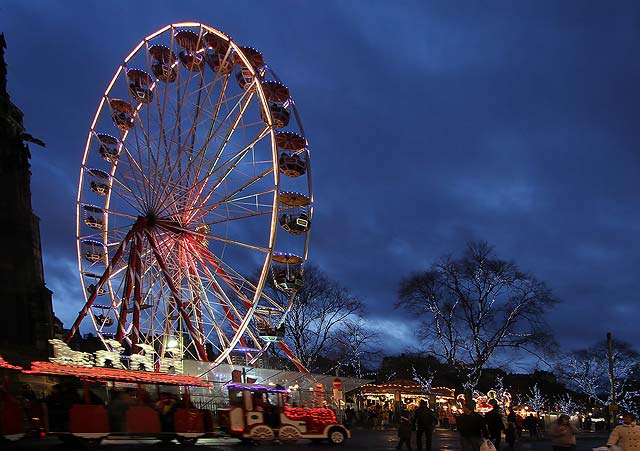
(424, 421)
(532, 425)
(626, 435)
(471, 427)
(495, 425)
(404, 433)
(563, 434)
(511, 432)
(385, 417)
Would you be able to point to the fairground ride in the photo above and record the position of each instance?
(195, 168)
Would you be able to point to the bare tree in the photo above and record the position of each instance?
(476, 305)
(587, 371)
(319, 310)
(356, 344)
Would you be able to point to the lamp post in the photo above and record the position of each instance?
(613, 408)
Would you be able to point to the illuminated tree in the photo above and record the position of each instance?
(535, 399)
(356, 344)
(568, 405)
(587, 371)
(502, 395)
(425, 381)
(476, 305)
(319, 311)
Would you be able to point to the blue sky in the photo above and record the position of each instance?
(431, 123)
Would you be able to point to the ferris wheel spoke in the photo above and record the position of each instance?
(229, 307)
(138, 177)
(230, 312)
(176, 298)
(235, 218)
(200, 156)
(238, 243)
(162, 136)
(242, 105)
(143, 147)
(207, 258)
(119, 213)
(234, 160)
(198, 294)
(214, 118)
(226, 304)
(225, 79)
(130, 199)
(124, 189)
(200, 185)
(180, 95)
(204, 209)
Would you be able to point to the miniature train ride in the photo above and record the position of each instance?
(257, 413)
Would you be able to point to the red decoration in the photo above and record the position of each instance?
(315, 418)
(7, 366)
(113, 374)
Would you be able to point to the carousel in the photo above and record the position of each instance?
(406, 394)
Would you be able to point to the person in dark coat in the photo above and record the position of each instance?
(424, 421)
(531, 423)
(510, 432)
(495, 425)
(404, 433)
(472, 428)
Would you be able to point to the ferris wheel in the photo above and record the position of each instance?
(195, 188)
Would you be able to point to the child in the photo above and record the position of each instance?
(404, 433)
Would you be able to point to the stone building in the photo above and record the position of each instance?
(26, 315)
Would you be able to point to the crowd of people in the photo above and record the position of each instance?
(498, 429)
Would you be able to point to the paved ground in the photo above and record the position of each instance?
(362, 439)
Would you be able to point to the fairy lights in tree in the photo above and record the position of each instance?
(568, 405)
(425, 382)
(535, 399)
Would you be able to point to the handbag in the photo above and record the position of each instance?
(487, 445)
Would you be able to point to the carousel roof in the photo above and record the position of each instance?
(408, 386)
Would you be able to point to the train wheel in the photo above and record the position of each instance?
(336, 436)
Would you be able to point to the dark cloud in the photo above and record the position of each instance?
(430, 124)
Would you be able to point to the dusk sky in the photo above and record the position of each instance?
(431, 123)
